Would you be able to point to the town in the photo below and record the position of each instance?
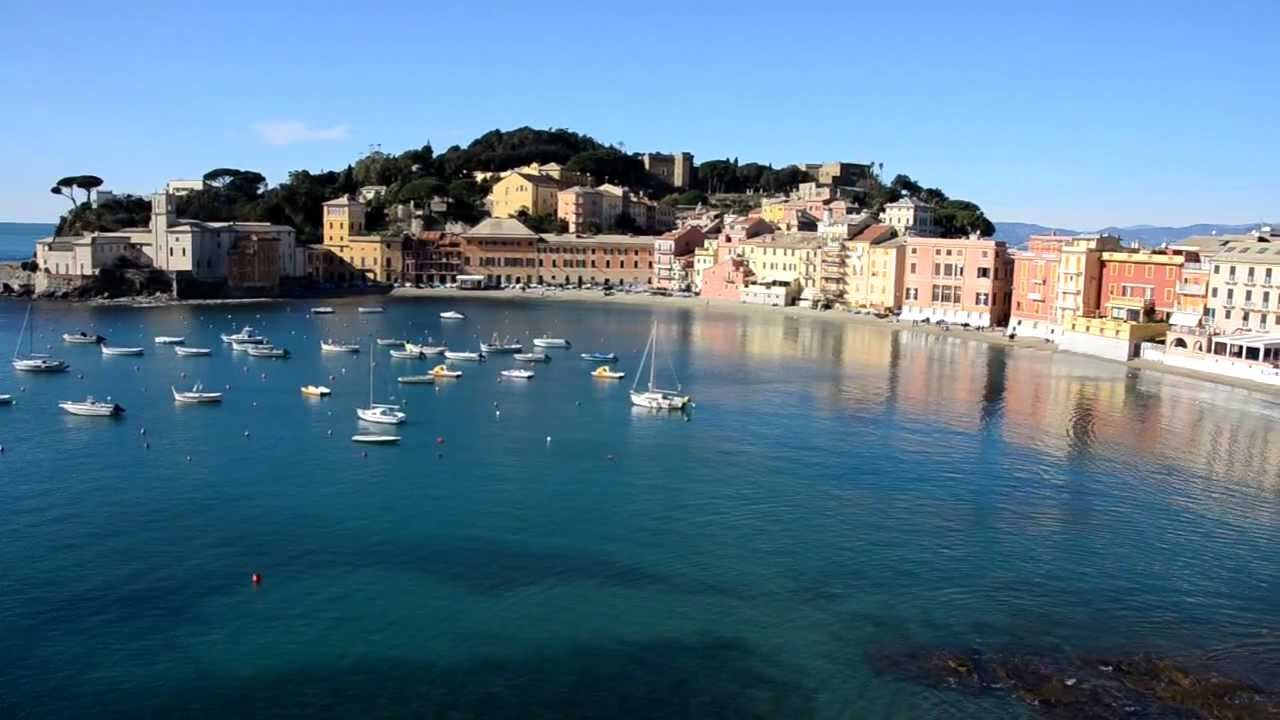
(1205, 304)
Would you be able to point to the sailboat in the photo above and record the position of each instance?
(379, 412)
(655, 397)
(32, 362)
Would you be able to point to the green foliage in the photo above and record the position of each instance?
(626, 224)
(68, 185)
(728, 176)
(541, 223)
(503, 150)
(689, 197)
(115, 214)
(961, 217)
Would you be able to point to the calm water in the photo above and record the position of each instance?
(840, 491)
(18, 240)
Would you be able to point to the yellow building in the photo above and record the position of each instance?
(773, 209)
(535, 194)
(786, 258)
(357, 256)
(858, 268)
(884, 290)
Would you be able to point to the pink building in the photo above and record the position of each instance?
(959, 280)
(744, 228)
(669, 250)
(726, 279)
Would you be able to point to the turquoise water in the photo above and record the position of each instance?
(839, 492)
(18, 240)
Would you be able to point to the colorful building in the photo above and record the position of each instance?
(727, 279)
(909, 216)
(1244, 287)
(502, 251)
(787, 259)
(1080, 275)
(957, 280)
(884, 290)
(535, 194)
(671, 252)
(1034, 311)
(609, 260)
(860, 270)
(1140, 286)
(582, 209)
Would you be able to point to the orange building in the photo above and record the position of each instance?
(1034, 310)
(957, 280)
(1141, 286)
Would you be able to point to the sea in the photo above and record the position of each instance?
(542, 549)
(18, 240)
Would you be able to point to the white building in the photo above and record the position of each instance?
(909, 215)
(183, 187)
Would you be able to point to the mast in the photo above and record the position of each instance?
(370, 373)
(26, 320)
(653, 363)
(643, 356)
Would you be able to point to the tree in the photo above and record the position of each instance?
(220, 177)
(626, 224)
(956, 218)
(904, 185)
(88, 183)
(67, 187)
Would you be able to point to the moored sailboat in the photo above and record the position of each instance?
(34, 362)
(382, 413)
(654, 396)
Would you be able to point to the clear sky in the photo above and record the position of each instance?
(1075, 114)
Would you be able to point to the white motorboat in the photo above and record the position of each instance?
(323, 310)
(444, 371)
(416, 379)
(504, 346)
(376, 439)
(389, 342)
(383, 413)
(335, 346)
(368, 310)
(34, 362)
(121, 350)
(193, 351)
(170, 340)
(246, 335)
(6, 399)
(517, 373)
(91, 408)
(532, 357)
(550, 342)
(599, 356)
(406, 355)
(268, 351)
(655, 397)
(246, 347)
(195, 395)
(82, 338)
(426, 349)
(452, 315)
(465, 356)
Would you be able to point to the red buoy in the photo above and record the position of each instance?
(256, 578)
(440, 440)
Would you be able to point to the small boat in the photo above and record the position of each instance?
(268, 351)
(371, 309)
(504, 346)
(550, 342)
(604, 372)
(517, 373)
(121, 350)
(532, 357)
(416, 379)
(654, 397)
(6, 399)
(246, 347)
(467, 356)
(599, 357)
(195, 395)
(452, 315)
(316, 390)
(246, 335)
(426, 349)
(34, 362)
(378, 413)
(169, 340)
(334, 346)
(376, 439)
(193, 351)
(324, 310)
(91, 408)
(406, 355)
(444, 371)
(82, 338)
(389, 342)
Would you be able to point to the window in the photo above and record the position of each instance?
(1244, 317)
(1216, 268)
(1227, 314)
(1168, 273)
(913, 268)
(1213, 293)
(913, 251)
(1128, 271)
(982, 299)
(1151, 271)
(1115, 269)
(1168, 294)
(984, 273)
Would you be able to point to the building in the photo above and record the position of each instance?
(1140, 286)
(502, 251)
(1108, 337)
(608, 260)
(842, 174)
(359, 257)
(434, 257)
(178, 188)
(253, 265)
(671, 253)
(84, 255)
(1034, 310)
(787, 259)
(888, 268)
(368, 193)
(910, 216)
(776, 293)
(727, 279)
(676, 170)
(860, 271)
(1080, 275)
(534, 194)
(957, 280)
(1244, 287)
(582, 208)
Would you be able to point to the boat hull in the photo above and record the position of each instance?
(464, 356)
(82, 339)
(316, 391)
(659, 400)
(532, 357)
(47, 366)
(326, 347)
(162, 340)
(377, 415)
(193, 352)
(517, 374)
(121, 351)
(551, 342)
(92, 409)
(376, 439)
(416, 379)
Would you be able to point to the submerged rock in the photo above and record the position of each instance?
(1091, 687)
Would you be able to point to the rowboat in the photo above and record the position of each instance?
(334, 346)
(389, 342)
(371, 309)
(315, 390)
(467, 356)
(82, 338)
(532, 357)
(6, 399)
(91, 408)
(599, 357)
(192, 351)
(169, 340)
(268, 351)
(121, 350)
(426, 349)
(406, 355)
(550, 342)
(415, 379)
(517, 373)
(376, 439)
(195, 395)
(452, 315)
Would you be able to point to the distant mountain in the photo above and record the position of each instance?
(1016, 233)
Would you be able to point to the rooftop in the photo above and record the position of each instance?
(1253, 250)
(601, 239)
(501, 228)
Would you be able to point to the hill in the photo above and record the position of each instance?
(1015, 233)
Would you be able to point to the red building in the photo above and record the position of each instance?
(1141, 286)
(1035, 287)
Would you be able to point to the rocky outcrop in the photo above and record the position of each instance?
(1091, 687)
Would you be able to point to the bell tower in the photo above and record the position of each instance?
(161, 215)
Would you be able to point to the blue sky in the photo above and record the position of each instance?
(1076, 114)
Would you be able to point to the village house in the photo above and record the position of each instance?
(957, 280)
(672, 253)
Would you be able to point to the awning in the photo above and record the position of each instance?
(1185, 318)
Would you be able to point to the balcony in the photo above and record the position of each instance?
(1195, 266)
(1249, 305)
(1229, 303)
(1132, 302)
(1231, 280)
(1191, 289)
(1249, 281)
(1035, 296)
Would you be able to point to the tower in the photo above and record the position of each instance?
(161, 212)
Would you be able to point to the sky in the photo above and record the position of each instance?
(1074, 114)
